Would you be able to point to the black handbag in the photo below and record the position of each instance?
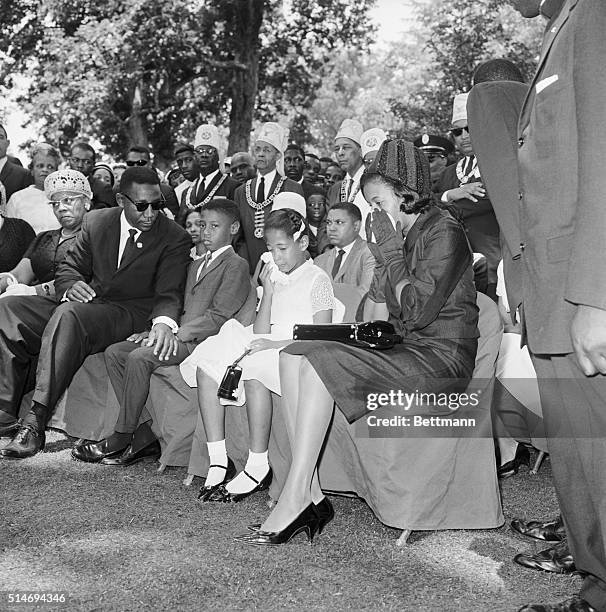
(371, 334)
(231, 379)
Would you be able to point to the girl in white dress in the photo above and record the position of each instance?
(294, 291)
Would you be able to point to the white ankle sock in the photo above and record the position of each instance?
(257, 466)
(218, 456)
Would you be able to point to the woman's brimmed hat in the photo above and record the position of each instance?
(400, 161)
(67, 180)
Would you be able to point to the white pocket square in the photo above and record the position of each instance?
(541, 85)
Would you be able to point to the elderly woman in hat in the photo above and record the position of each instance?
(69, 196)
(426, 291)
(30, 203)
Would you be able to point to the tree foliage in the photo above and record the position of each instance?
(149, 71)
(460, 34)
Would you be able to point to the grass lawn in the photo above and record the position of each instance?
(132, 539)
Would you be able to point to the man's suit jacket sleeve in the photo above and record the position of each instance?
(171, 274)
(586, 283)
(78, 263)
(228, 298)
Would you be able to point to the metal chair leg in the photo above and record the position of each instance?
(537, 463)
(402, 540)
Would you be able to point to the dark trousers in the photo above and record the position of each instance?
(130, 367)
(574, 412)
(58, 338)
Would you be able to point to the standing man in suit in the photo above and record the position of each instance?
(217, 287)
(242, 167)
(460, 187)
(82, 158)
(187, 162)
(126, 267)
(294, 164)
(563, 224)
(255, 197)
(212, 180)
(350, 261)
(13, 177)
(348, 153)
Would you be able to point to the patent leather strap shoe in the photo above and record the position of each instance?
(547, 531)
(230, 472)
(574, 604)
(306, 522)
(557, 559)
(221, 494)
(511, 468)
(8, 430)
(95, 452)
(152, 452)
(28, 441)
(324, 511)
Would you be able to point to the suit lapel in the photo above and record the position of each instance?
(550, 36)
(215, 263)
(345, 267)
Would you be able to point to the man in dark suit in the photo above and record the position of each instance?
(218, 285)
(255, 197)
(13, 177)
(294, 164)
(82, 158)
(461, 189)
(126, 267)
(211, 181)
(563, 224)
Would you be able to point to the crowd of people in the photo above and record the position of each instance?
(209, 268)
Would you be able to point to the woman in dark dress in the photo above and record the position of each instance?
(69, 195)
(424, 287)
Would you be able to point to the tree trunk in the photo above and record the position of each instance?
(137, 122)
(245, 83)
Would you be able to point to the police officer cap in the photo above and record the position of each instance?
(431, 143)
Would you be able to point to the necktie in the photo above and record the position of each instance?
(338, 260)
(129, 247)
(469, 166)
(201, 189)
(349, 188)
(204, 265)
(261, 190)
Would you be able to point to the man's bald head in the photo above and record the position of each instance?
(242, 166)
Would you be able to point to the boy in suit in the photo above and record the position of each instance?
(350, 261)
(217, 287)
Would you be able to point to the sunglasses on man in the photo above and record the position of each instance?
(459, 131)
(143, 206)
(139, 162)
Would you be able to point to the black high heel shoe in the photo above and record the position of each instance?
(324, 511)
(230, 472)
(306, 522)
(522, 457)
(221, 494)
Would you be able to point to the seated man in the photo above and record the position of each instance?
(217, 287)
(350, 261)
(126, 267)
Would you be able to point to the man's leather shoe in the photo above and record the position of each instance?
(28, 441)
(94, 452)
(130, 456)
(522, 457)
(547, 531)
(557, 559)
(574, 604)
